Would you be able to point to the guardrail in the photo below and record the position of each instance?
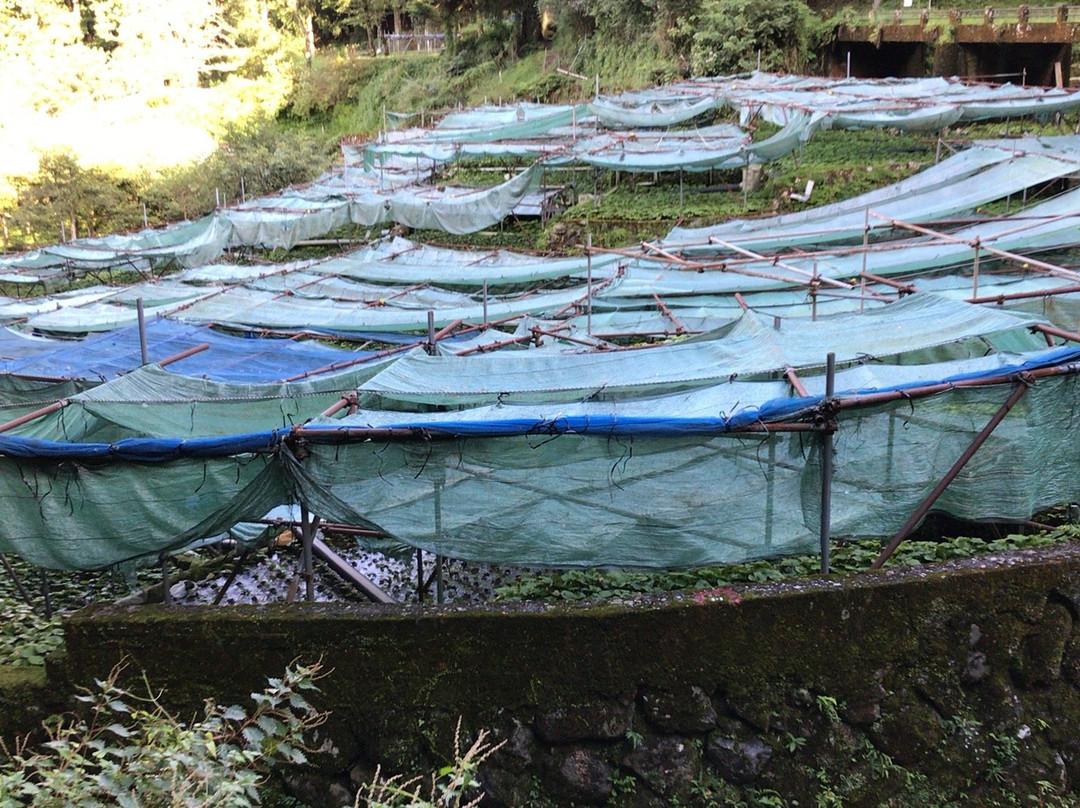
(976, 16)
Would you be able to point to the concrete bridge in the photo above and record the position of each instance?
(1022, 45)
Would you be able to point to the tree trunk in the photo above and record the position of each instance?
(529, 32)
(397, 19)
(309, 37)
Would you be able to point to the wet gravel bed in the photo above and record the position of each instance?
(273, 576)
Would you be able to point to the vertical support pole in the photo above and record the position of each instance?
(166, 594)
(419, 575)
(143, 353)
(588, 285)
(46, 595)
(430, 347)
(307, 539)
(485, 304)
(826, 467)
(770, 491)
(849, 64)
(975, 271)
(440, 590)
(145, 221)
(680, 190)
(243, 191)
(866, 251)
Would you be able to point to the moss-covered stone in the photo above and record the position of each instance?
(921, 677)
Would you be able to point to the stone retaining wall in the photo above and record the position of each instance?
(955, 684)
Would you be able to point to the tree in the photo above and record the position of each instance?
(727, 36)
(43, 59)
(161, 43)
(366, 15)
(64, 199)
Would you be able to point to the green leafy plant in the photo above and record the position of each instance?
(26, 638)
(846, 558)
(829, 707)
(129, 750)
(453, 786)
(793, 743)
(622, 784)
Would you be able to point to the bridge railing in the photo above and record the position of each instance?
(976, 16)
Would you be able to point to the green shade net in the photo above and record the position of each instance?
(577, 500)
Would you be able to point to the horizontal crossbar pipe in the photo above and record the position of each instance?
(168, 360)
(335, 366)
(33, 416)
(821, 279)
(1002, 298)
(494, 346)
(907, 288)
(1026, 260)
(331, 527)
(1051, 331)
(871, 399)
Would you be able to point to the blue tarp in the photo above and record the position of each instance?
(228, 359)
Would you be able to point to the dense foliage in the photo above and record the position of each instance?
(845, 557)
(733, 36)
(127, 749)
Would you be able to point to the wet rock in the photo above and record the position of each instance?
(313, 789)
(504, 788)
(581, 775)
(864, 706)
(909, 730)
(976, 669)
(599, 721)
(667, 764)
(1039, 662)
(738, 760)
(690, 711)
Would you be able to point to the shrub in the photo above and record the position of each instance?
(128, 750)
(729, 36)
(26, 638)
(453, 786)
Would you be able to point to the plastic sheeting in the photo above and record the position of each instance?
(961, 183)
(151, 402)
(916, 323)
(1053, 224)
(551, 493)
(653, 481)
(227, 358)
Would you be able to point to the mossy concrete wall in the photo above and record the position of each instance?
(956, 684)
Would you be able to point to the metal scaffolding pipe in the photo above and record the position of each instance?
(951, 475)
